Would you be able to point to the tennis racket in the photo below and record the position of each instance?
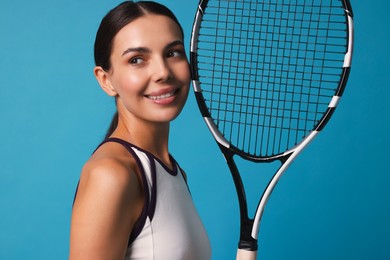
(267, 77)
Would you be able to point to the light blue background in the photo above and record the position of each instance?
(333, 203)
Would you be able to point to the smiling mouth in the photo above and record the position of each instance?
(163, 96)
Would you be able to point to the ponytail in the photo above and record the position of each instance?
(113, 125)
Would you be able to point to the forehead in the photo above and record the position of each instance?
(147, 31)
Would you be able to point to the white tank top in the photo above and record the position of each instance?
(169, 227)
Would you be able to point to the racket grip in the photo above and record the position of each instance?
(246, 255)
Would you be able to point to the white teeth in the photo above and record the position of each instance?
(167, 95)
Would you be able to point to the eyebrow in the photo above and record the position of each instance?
(138, 49)
(147, 50)
(174, 43)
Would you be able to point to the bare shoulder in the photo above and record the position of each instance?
(110, 169)
(108, 203)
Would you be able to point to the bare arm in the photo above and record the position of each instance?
(108, 203)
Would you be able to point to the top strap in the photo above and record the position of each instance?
(150, 197)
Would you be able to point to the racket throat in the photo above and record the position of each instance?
(247, 242)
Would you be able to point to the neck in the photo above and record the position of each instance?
(150, 136)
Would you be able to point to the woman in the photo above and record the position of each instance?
(132, 200)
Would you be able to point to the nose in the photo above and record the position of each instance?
(161, 70)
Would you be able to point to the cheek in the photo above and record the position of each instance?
(185, 75)
(131, 83)
(188, 76)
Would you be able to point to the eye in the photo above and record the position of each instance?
(175, 53)
(136, 61)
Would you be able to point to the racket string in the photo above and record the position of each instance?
(268, 71)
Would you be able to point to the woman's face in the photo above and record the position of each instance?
(149, 69)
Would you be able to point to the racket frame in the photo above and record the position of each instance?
(249, 228)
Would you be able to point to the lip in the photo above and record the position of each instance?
(163, 96)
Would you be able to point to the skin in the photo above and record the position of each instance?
(149, 78)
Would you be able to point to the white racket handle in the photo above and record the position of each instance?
(246, 255)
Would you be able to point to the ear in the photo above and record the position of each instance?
(103, 78)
